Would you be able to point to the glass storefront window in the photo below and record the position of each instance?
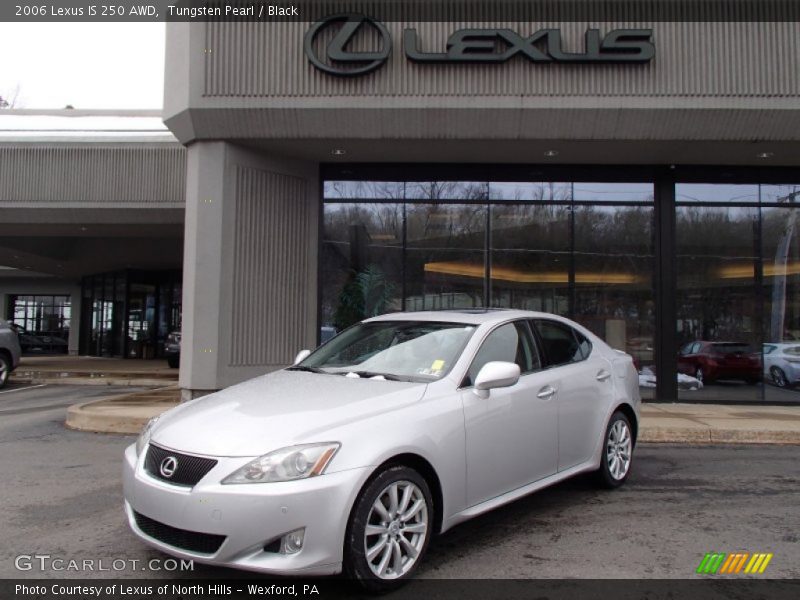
(586, 250)
(42, 321)
(717, 193)
(433, 245)
(780, 270)
(612, 192)
(445, 256)
(719, 328)
(129, 313)
(363, 190)
(362, 262)
(517, 191)
(439, 191)
(614, 261)
(530, 257)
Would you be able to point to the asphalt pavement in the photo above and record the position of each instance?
(61, 496)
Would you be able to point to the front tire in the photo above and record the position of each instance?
(617, 457)
(389, 530)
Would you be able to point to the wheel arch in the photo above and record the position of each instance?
(627, 410)
(425, 469)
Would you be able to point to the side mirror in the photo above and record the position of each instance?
(496, 374)
(301, 356)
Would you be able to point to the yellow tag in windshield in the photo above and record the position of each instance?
(437, 365)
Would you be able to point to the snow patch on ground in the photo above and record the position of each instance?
(647, 379)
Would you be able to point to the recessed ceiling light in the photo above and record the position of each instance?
(765, 155)
(338, 151)
(550, 153)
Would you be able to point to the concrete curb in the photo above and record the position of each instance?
(125, 414)
(105, 381)
(709, 435)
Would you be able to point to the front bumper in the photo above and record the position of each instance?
(250, 516)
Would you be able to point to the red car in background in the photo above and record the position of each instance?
(710, 361)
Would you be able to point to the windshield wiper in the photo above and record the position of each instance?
(370, 374)
(308, 369)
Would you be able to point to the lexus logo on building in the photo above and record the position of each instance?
(337, 59)
(168, 467)
(481, 46)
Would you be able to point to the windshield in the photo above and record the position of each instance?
(401, 350)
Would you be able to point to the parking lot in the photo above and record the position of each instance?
(62, 497)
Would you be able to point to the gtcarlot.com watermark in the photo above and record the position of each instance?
(48, 562)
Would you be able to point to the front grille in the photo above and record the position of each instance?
(192, 541)
(188, 471)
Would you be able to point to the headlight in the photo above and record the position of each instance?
(144, 437)
(286, 464)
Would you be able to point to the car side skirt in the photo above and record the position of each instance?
(491, 504)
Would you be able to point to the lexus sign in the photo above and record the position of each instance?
(329, 45)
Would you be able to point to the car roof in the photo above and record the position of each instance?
(473, 316)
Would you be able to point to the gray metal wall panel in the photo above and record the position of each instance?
(271, 224)
(102, 174)
(732, 59)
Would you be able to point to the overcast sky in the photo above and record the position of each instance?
(87, 65)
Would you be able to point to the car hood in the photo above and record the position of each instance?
(277, 410)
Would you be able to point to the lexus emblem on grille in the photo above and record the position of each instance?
(168, 467)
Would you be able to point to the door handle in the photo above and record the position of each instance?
(546, 392)
(603, 375)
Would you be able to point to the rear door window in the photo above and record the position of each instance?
(561, 344)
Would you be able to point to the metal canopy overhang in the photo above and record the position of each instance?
(623, 136)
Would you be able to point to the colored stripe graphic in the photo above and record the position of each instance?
(711, 563)
(759, 562)
(734, 562)
(721, 563)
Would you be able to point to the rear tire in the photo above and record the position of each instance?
(174, 362)
(700, 376)
(5, 369)
(389, 530)
(617, 454)
(779, 377)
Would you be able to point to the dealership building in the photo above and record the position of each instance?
(639, 176)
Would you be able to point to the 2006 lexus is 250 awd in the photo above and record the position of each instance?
(398, 428)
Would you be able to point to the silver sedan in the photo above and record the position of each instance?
(399, 428)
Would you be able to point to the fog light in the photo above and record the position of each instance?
(292, 542)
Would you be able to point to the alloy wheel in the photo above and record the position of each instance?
(396, 530)
(618, 450)
(4, 371)
(699, 375)
(779, 377)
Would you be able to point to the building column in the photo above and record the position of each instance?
(250, 265)
(75, 300)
